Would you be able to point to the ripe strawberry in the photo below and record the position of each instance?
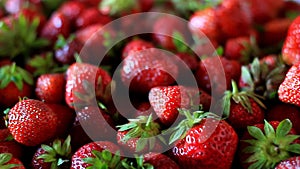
(144, 109)
(58, 24)
(50, 88)
(89, 3)
(83, 35)
(283, 111)
(143, 70)
(58, 155)
(15, 82)
(32, 122)
(78, 136)
(8, 145)
(290, 49)
(137, 136)
(190, 60)
(136, 45)
(10, 162)
(100, 154)
(91, 16)
(288, 91)
(265, 145)
(290, 163)
(86, 82)
(72, 10)
(203, 142)
(242, 108)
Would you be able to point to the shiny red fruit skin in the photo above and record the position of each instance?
(91, 16)
(136, 45)
(291, 163)
(160, 161)
(65, 55)
(209, 144)
(72, 10)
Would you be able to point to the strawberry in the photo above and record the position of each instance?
(72, 10)
(15, 82)
(58, 24)
(83, 35)
(91, 16)
(89, 3)
(203, 141)
(58, 155)
(288, 91)
(30, 15)
(136, 45)
(290, 163)
(242, 108)
(100, 154)
(10, 162)
(290, 49)
(265, 145)
(190, 60)
(78, 135)
(8, 145)
(143, 70)
(50, 88)
(138, 136)
(32, 122)
(144, 109)
(86, 82)
(283, 111)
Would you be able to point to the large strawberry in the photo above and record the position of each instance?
(100, 154)
(136, 45)
(293, 162)
(32, 122)
(15, 82)
(203, 141)
(86, 82)
(291, 49)
(265, 145)
(288, 91)
(8, 161)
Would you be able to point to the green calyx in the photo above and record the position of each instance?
(138, 164)
(271, 146)
(143, 128)
(187, 7)
(21, 38)
(57, 154)
(117, 7)
(179, 132)
(62, 41)
(15, 74)
(4, 159)
(250, 49)
(242, 98)
(104, 160)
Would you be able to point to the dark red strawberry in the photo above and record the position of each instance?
(202, 141)
(100, 154)
(290, 163)
(78, 136)
(86, 82)
(144, 109)
(58, 154)
(83, 35)
(15, 82)
(265, 145)
(190, 60)
(137, 136)
(58, 24)
(91, 16)
(50, 88)
(89, 3)
(10, 162)
(290, 49)
(72, 10)
(283, 111)
(288, 91)
(143, 70)
(8, 145)
(32, 122)
(136, 45)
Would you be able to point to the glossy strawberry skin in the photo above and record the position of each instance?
(50, 88)
(291, 163)
(160, 161)
(16, 161)
(10, 146)
(235, 46)
(83, 35)
(65, 54)
(39, 163)
(72, 10)
(86, 151)
(91, 16)
(32, 122)
(290, 49)
(199, 150)
(288, 91)
(136, 45)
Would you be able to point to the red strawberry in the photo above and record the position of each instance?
(144, 109)
(289, 89)
(91, 3)
(58, 24)
(57, 154)
(50, 88)
(143, 70)
(8, 161)
(78, 135)
(290, 49)
(290, 163)
(136, 45)
(100, 154)
(283, 111)
(203, 142)
(265, 145)
(83, 35)
(15, 82)
(91, 16)
(190, 60)
(32, 122)
(8, 145)
(86, 82)
(72, 10)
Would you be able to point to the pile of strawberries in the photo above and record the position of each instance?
(58, 104)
